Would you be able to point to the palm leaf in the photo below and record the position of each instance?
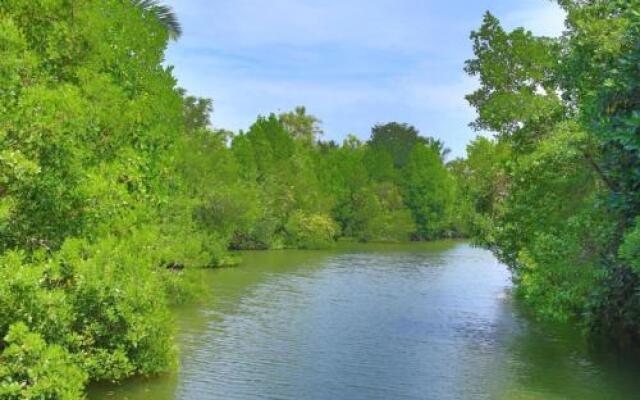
(164, 14)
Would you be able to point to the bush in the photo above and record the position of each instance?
(32, 369)
(310, 231)
(387, 218)
(24, 296)
(103, 303)
(121, 320)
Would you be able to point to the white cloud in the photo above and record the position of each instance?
(353, 63)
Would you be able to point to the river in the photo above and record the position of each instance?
(407, 321)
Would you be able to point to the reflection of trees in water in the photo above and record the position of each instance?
(550, 362)
(220, 293)
(159, 387)
(492, 346)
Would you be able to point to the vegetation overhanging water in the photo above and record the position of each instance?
(114, 186)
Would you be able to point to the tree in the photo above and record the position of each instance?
(197, 111)
(439, 147)
(90, 122)
(565, 113)
(599, 74)
(282, 168)
(428, 192)
(301, 125)
(396, 139)
(31, 369)
(518, 96)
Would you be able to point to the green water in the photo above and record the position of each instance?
(412, 321)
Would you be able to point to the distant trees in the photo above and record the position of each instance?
(197, 111)
(356, 185)
(370, 192)
(438, 147)
(415, 164)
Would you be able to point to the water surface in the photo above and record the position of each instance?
(410, 321)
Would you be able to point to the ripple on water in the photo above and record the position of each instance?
(390, 322)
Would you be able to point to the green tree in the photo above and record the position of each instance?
(396, 139)
(197, 111)
(301, 125)
(518, 96)
(90, 124)
(282, 168)
(428, 190)
(439, 147)
(564, 111)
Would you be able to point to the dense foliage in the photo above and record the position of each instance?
(112, 181)
(556, 194)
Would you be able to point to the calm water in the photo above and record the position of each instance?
(414, 321)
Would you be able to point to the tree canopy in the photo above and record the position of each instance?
(556, 193)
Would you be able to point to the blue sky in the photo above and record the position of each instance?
(352, 63)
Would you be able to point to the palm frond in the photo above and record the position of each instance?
(164, 14)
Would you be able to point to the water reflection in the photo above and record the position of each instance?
(421, 321)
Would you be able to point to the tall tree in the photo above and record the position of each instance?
(439, 147)
(301, 125)
(396, 139)
(566, 215)
(428, 191)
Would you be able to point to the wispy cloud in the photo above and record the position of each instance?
(353, 63)
(250, 23)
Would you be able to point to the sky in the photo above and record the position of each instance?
(351, 63)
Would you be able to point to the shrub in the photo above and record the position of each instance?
(120, 314)
(32, 369)
(310, 231)
(104, 303)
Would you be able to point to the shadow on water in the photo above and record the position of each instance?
(549, 361)
(378, 321)
(225, 290)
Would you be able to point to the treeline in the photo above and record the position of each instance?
(111, 181)
(556, 193)
(277, 186)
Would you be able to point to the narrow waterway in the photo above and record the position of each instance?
(410, 321)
